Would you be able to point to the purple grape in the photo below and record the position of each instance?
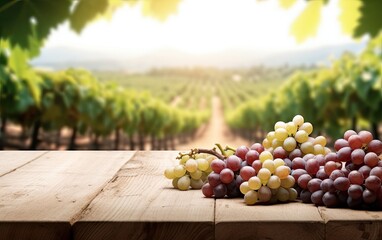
(220, 191)
(330, 200)
(316, 198)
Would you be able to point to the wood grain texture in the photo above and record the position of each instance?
(352, 224)
(235, 220)
(51, 192)
(141, 204)
(11, 160)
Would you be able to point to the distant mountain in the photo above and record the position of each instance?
(59, 58)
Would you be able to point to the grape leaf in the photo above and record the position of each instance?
(85, 11)
(370, 21)
(21, 21)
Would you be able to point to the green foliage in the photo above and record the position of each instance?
(85, 11)
(331, 98)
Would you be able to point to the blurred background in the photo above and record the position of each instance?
(180, 74)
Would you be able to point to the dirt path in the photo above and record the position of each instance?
(217, 131)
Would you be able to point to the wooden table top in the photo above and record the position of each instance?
(124, 195)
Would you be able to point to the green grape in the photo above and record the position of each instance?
(184, 183)
(282, 172)
(279, 124)
(292, 194)
(191, 165)
(274, 182)
(291, 128)
(265, 155)
(281, 134)
(289, 144)
(307, 147)
(244, 187)
(250, 197)
(184, 159)
(327, 150)
(202, 164)
(196, 175)
(268, 164)
(196, 184)
(301, 136)
(264, 174)
(318, 149)
(179, 171)
(266, 143)
(169, 173)
(288, 182)
(278, 162)
(320, 140)
(307, 127)
(254, 183)
(271, 136)
(276, 143)
(282, 194)
(203, 177)
(298, 120)
(229, 152)
(175, 182)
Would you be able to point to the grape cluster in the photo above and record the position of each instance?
(293, 138)
(350, 177)
(191, 172)
(267, 180)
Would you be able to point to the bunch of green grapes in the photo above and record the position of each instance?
(272, 182)
(294, 137)
(192, 171)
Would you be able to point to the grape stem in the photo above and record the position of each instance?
(210, 151)
(221, 149)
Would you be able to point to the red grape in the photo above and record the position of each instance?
(214, 179)
(365, 171)
(357, 156)
(355, 142)
(314, 185)
(321, 174)
(305, 196)
(335, 174)
(234, 162)
(312, 166)
(371, 159)
(303, 181)
(340, 143)
(331, 166)
(376, 171)
(356, 177)
(344, 154)
(330, 199)
(316, 197)
(375, 146)
(341, 183)
(297, 173)
(220, 191)
(298, 163)
(257, 147)
(355, 191)
(369, 196)
(251, 156)
(226, 175)
(207, 190)
(247, 172)
(373, 183)
(279, 152)
(257, 164)
(349, 133)
(295, 153)
(327, 185)
(241, 152)
(365, 136)
(217, 165)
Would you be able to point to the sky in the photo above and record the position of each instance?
(202, 27)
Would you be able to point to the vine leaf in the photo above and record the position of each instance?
(85, 11)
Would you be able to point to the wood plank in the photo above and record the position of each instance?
(235, 220)
(11, 160)
(141, 204)
(45, 196)
(352, 224)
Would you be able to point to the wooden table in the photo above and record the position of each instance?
(123, 195)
